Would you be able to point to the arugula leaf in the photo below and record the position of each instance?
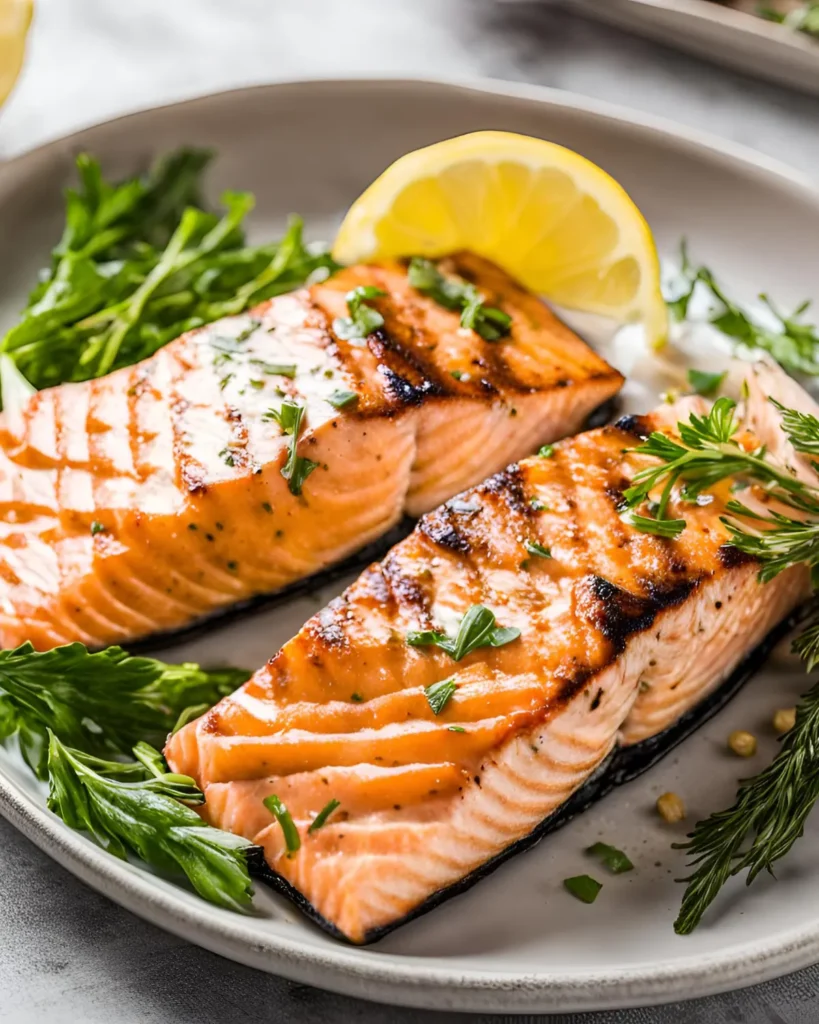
(477, 629)
(438, 694)
(135, 808)
(296, 469)
(101, 703)
(450, 292)
(363, 319)
(138, 264)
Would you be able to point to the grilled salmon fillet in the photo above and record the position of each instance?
(148, 499)
(620, 633)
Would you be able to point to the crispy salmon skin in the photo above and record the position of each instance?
(153, 497)
(621, 632)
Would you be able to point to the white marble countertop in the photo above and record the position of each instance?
(66, 953)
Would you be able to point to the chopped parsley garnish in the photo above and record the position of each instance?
(477, 629)
(546, 451)
(282, 369)
(612, 858)
(292, 839)
(454, 294)
(97, 527)
(458, 374)
(322, 816)
(438, 695)
(583, 887)
(356, 698)
(537, 549)
(343, 399)
(267, 507)
(455, 728)
(705, 383)
(228, 456)
(296, 469)
(363, 319)
(538, 505)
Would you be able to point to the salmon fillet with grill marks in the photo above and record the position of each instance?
(153, 497)
(621, 632)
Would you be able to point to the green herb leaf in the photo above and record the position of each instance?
(450, 292)
(296, 469)
(546, 451)
(363, 319)
(455, 728)
(583, 887)
(97, 527)
(705, 383)
(292, 840)
(275, 369)
(135, 808)
(613, 859)
(477, 629)
(138, 264)
(101, 703)
(343, 399)
(438, 694)
(668, 528)
(534, 548)
(322, 816)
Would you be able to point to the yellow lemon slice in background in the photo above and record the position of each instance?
(547, 215)
(15, 18)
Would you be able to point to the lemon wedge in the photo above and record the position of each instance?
(15, 18)
(547, 215)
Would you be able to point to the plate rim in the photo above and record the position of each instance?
(389, 977)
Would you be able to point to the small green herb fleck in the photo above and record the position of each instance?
(613, 859)
(538, 505)
(546, 451)
(363, 319)
(292, 839)
(228, 456)
(356, 698)
(439, 694)
(267, 507)
(583, 887)
(280, 369)
(233, 566)
(454, 294)
(705, 383)
(343, 399)
(477, 629)
(97, 527)
(457, 374)
(322, 816)
(537, 549)
(456, 728)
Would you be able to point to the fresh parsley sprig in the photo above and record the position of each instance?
(101, 703)
(296, 468)
(477, 629)
(794, 344)
(490, 323)
(141, 809)
(363, 318)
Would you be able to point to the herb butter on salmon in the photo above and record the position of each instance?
(459, 692)
(260, 449)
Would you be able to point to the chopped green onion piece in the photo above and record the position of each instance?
(322, 816)
(615, 860)
(292, 840)
(546, 451)
(583, 887)
(343, 399)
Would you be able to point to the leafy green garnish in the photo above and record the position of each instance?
(438, 694)
(477, 629)
(704, 383)
(292, 839)
(135, 808)
(668, 528)
(297, 468)
(583, 887)
(101, 703)
(546, 451)
(452, 293)
(804, 18)
(141, 262)
(793, 344)
(534, 548)
(322, 816)
(612, 858)
(343, 399)
(363, 318)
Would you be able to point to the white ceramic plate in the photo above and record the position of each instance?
(726, 35)
(517, 941)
